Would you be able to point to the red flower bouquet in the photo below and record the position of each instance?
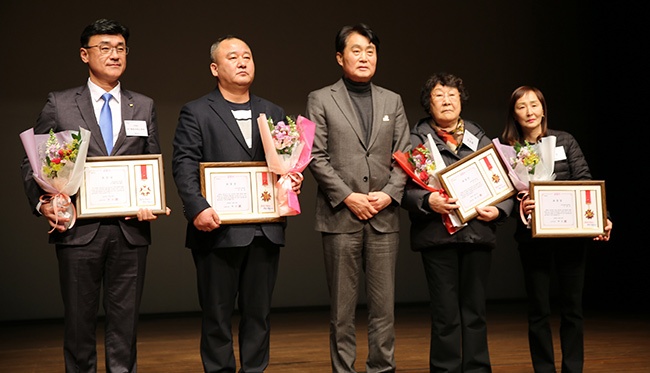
(420, 165)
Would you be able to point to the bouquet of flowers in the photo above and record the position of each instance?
(421, 165)
(57, 161)
(526, 163)
(287, 146)
(526, 156)
(286, 137)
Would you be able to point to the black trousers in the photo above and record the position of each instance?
(242, 277)
(540, 258)
(111, 264)
(457, 277)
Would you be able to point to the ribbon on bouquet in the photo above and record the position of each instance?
(295, 176)
(454, 225)
(288, 199)
(60, 202)
(522, 197)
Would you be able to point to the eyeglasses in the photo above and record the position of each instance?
(439, 96)
(106, 49)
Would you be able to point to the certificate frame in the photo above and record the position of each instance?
(477, 180)
(241, 192)
(575, 208)
(118, 186)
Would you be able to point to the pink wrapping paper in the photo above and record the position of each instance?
(288, 167)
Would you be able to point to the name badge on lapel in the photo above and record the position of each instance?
(470, 140)
(136, 128)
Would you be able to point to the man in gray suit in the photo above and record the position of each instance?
(111, 251)
(236, 264)
(358, 127)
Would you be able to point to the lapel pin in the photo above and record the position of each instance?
(131, 105)
(386, 119)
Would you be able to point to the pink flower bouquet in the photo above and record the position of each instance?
(57, 161)
(287, 146)
(528, 162)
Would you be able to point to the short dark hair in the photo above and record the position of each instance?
(444, 79)
(360, 28)
(215, 45)
(103, 27)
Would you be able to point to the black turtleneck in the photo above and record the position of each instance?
(361, 96)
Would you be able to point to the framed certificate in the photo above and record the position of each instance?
(568, 208)
(241, 192)
(477, 180)
(119, 186)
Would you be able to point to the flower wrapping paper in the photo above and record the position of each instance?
(68, 180)
(544, 170)
(519, 175)
(287, 165)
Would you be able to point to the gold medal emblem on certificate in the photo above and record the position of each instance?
(495, 177)
(145, 190)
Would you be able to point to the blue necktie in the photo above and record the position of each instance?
(106, 123)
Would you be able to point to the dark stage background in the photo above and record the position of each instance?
(584, 57)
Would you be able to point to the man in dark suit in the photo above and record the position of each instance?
(236, 264)
(111, 251)
(358, 127)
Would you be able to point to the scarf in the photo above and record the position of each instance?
(454, 138)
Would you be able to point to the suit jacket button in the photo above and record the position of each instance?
(365, 178)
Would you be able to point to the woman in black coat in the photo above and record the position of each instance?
(527, 121)
(457, 265)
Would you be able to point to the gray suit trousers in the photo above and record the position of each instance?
(347, 257)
